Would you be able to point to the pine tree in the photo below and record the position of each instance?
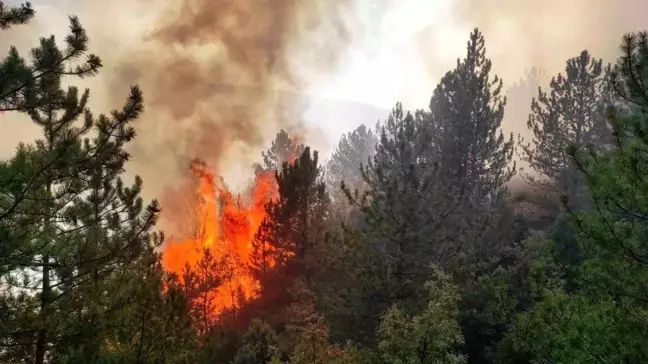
(199, 285)
(294, 223)
(22, 88)
(21, 84)
(313, 345)
(447, 199)
(12, 15)
(353, 149)
(293, 231)
(405, 205)
(475, 159)
(284, 148)
(467, 109)
(157, 326)
(571, 114)
(86, 228)
(604, 319)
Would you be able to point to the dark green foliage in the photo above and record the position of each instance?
(294, 231)
(404, 204)
(487, 307)
(475, 160)
(296, 219)
(467, 109)
(568, 251)
(23, 84)
(259, 345)
(629, 74)
(15, 15)
(79, 265)
(603, 320)
(294, 168)
(353, 295)
(435, 193)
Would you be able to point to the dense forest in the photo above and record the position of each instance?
(418, 241)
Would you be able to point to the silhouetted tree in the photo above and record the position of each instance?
(404, 206)
(74, 228)
(297, 217)
(467, 110)
(571, 114)
(284, 148)
(353, 149)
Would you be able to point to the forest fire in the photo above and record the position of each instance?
(226, 228)
(215, 259)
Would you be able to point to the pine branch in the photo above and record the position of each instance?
(10, 16)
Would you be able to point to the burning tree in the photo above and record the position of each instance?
(214, 262)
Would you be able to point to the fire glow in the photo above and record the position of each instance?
(226, 227)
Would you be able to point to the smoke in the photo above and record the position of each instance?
(530, 41)
(526, 34)
(221, 77)
(522, 34)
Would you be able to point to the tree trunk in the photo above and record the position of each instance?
(41, 340)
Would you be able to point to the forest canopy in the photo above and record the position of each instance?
(408, 246)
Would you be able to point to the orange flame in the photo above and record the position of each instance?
(227, 227)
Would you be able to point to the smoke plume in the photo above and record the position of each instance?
(221, 77)
(530, 41)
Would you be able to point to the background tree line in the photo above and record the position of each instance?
(407, 246)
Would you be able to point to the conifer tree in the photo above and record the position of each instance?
(475, 159)
(21, 83)
(467, 109)
(15, 15)
(157, 326)
(603, 320)
(293, 233)
(571, 114)
(437, 184)
(294, 225)
(284, 148)
(22, 89)
(313, 346)
(405, 205)
(353, 149)
(199, 285)
(86, 229)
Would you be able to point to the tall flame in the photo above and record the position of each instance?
(226, 227)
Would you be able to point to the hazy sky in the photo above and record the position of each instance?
(384, 51)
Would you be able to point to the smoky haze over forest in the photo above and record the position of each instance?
(221, 77)
(324, 181)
